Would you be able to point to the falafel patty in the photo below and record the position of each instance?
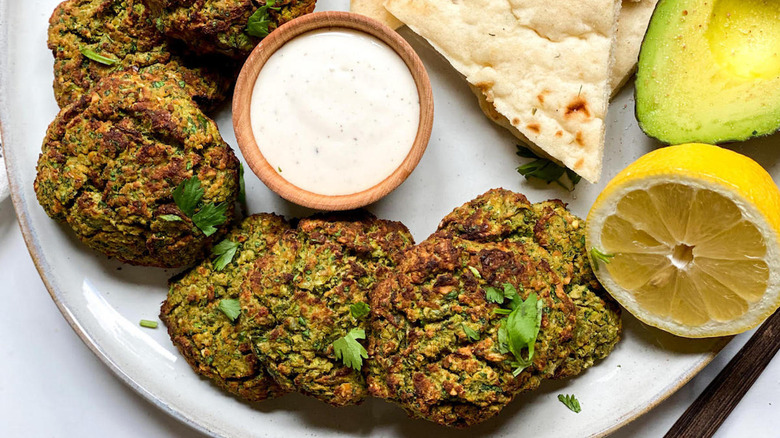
(210, 341)
(500, 215)
(220, 26)
(436, 346)
(111, 161)
(121, 35)
(304, 296)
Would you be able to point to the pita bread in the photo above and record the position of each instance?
(632, 24)
(374, 9)
(633, 20)
(543, 65)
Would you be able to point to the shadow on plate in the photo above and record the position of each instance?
(651, 337)
(7, 217)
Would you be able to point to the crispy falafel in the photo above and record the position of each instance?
(91, 39)
(504, 215)
(207, 337)
(436, 346)
(298, 300)
(111, 161)
(220, 26)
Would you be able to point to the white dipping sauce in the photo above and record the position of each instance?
(335, 112)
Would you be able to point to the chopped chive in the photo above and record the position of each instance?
(148, 324)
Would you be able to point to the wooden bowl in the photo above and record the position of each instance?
(243, 96)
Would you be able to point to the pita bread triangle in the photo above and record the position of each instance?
(632, 25)
(543, 65)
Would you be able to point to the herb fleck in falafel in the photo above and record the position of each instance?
(202, 308)
(224, 26)
(111, 163)
(308, 296)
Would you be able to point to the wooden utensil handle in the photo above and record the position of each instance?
(703, 418)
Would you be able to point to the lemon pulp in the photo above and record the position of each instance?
(686, 253)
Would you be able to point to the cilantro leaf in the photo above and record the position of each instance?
(511, 294)
(91, 54)
(570, 402)
(171, 217)
(494, 296)
(349, 350)
(359, 310)
(241, 186)
(522, 328)
(473, 335)
(224, 252)
(503, 338)
(231, 308)
(545, 169)
(260, 21)
(598, 255)
(209, 217)
(188, 194)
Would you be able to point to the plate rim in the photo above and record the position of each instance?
(42, 266)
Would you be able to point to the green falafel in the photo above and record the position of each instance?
(111, 161)
(436, 346)
(91, 39)
(221, 26)
(504, 215)
(299, 300)
(209, 339)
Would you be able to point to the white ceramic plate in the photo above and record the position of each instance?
(104, 300)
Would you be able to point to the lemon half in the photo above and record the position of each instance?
(687, 239)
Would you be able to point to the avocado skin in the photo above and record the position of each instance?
(713, 113)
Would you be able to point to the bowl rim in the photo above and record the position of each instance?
(242, 97)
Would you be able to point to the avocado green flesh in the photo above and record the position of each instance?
(709, 71)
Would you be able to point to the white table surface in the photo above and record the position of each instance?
(51, 384)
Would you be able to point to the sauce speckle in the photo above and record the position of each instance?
(337, 110)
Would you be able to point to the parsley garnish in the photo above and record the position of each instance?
(91, 54)
(241, 185)
(494, 296)
(231, 308)
(520, 329)
(570, 402)
(171, 217)
(474, 336)
(511, 294)
(359, 310)
(148, 324)
(188, 196)
(260, 22)
(349, 350)
(503, 340)
(598, 255)
(224, 252)
(498, 296)
(545, 170)
(209, 217)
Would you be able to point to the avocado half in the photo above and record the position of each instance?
(709, 71)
